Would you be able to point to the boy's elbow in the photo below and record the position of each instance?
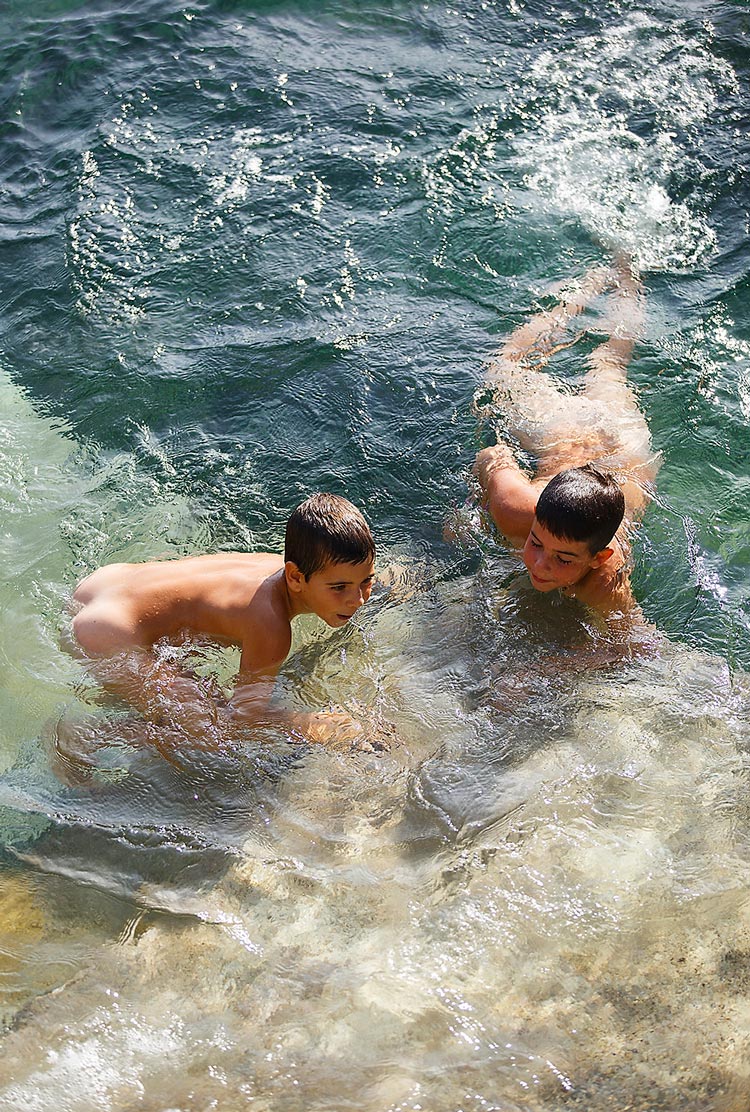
(491, 463)
(250, 701)
(483, 463)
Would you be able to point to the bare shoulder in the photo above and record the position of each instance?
(266, 630)
(607, 590)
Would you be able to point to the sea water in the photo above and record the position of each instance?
(251, 250)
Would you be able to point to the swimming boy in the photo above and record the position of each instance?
(246, 599)
(594, 462)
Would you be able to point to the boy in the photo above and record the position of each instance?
(247, 599)
(594, 462)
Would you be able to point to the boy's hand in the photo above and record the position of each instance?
(339, 730)
(492, 459)
(400, 582)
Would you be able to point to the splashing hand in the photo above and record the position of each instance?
(338, 730)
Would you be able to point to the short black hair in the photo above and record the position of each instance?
(326, 529)
(582, 504)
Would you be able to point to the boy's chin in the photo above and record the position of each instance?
(543, 586)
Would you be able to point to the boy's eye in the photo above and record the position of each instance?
(565, 562)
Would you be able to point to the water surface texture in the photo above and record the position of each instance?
(251, 250)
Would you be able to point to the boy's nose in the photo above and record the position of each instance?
(354, 599)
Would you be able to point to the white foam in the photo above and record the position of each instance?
(622, 107)
(101, 1066)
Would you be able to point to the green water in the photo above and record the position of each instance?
(251, 250)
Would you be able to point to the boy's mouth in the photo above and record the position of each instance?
(539, 582)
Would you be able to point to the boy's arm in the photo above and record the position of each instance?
(509, 495)
(251, 703)
(616, 640)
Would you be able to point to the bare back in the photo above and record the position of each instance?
(232, 597)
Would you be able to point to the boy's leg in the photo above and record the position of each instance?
(534, 343)
(603, 423)
(548, 420)
(606, 387)
(606, 378)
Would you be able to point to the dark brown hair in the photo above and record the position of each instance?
(327, 529)
(582, 504)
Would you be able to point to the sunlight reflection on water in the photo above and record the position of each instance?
(538, 898)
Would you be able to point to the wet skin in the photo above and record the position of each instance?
(244, 599)
(336, 592)
(553, 562)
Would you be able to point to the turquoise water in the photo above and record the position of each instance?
(255, 249)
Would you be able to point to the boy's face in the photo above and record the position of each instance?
(336, 592)
(554, 562)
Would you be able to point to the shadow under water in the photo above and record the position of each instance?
(563, 924)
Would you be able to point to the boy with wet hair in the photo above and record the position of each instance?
(584, 504)
(246, 599)
(326, 529)
(594, 464)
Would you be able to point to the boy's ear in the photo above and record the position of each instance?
(601, 556)
(295, 580)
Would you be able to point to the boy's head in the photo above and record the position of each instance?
(327, 529)
(329, 559)
(577, 515)
(582, 504)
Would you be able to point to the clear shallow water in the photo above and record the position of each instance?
(254, 250)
